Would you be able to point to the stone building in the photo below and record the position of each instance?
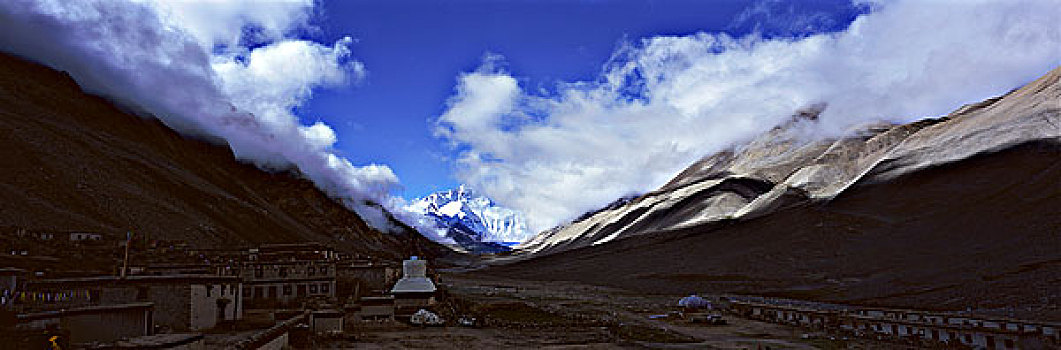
(365, 278)
(374, 308)
(912, 327)
(327, 321)
(85, 236)
(174, 269)
(278, 275)
(273, 275)
(181, 302)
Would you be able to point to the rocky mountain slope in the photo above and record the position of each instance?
(75, 162)
(788, 165)
(961, 211)
(471, 219)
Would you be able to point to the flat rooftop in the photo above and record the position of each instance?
(138, 279)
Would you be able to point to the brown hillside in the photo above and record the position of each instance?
(983, 233)
(75, 162)
(950, 213)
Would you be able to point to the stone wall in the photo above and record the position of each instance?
(171, 305)
(92, 323)
(107, 326)
(365, 280)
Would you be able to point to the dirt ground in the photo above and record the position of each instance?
(515, 314)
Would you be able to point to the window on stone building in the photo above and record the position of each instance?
(287, 289)
(283, 272)
(324, 288)
(313, 288)
(309, 271)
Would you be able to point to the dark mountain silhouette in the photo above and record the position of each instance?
(75, 162)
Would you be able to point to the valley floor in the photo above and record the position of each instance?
(568, 315)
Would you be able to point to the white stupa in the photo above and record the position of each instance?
(414, 278)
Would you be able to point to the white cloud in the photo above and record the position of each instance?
(666, 101)
(232, 71)
(222, 23)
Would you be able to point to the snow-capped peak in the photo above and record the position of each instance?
(472, 214)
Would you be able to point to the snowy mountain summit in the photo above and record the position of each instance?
(468, 217)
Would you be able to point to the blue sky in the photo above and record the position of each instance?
(413, 52)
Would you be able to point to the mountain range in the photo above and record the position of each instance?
(958, 211)
(472, 221)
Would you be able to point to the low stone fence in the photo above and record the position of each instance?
(275, 338)
(911, 327)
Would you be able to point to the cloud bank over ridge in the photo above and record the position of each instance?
(230, 71)
(664, 102)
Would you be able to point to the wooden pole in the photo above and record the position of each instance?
(125, 262)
